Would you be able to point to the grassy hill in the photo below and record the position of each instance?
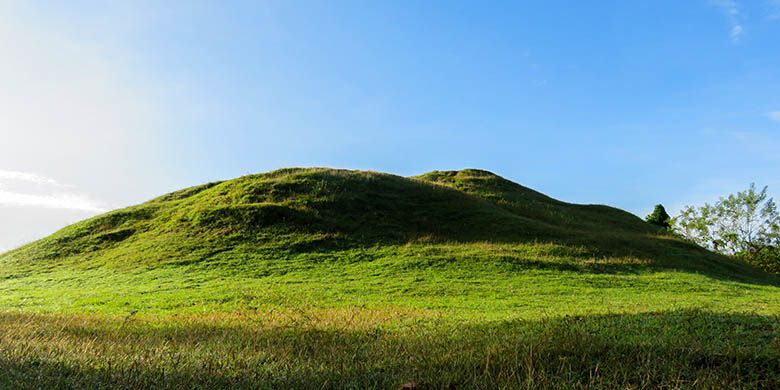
(335, 278)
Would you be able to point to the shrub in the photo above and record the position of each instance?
(659, 217)
(767, 258)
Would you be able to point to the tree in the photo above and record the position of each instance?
(767, 259)
(659, 217)
(742, 223)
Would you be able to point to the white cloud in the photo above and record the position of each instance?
(731, 9)
(774, 115)
(26, 176)
(736, 31)
(63, 201)
(30, 190)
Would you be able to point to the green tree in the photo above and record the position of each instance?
(659, 217)
(743, 223)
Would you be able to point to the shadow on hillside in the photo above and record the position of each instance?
(668, 253)
(616, 253)
(664, 349)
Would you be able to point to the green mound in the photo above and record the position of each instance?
(329, 236)
(319, 209)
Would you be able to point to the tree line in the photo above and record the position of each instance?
(744, 225)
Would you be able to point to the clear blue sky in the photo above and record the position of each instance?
(616, 102)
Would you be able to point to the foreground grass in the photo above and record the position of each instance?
(386, 348)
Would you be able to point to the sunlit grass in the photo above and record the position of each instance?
(359, 348)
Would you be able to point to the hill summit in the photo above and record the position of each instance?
(317, 209)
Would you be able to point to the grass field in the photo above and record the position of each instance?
(360, 348)
(317, 278)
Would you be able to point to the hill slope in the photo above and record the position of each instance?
(321, 278)
(347, 236)
(316, 209)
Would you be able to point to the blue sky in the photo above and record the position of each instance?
(622, 103)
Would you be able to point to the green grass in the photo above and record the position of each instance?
(384, 349)
(332, 278)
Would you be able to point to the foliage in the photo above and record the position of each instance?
(659, 217)
(744, 222)
(766, 258)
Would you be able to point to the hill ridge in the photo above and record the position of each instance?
(314, 209)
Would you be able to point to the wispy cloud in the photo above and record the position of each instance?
(736, 31)
(731, 9)
(774, 9)
(63, 201)
(45, 192)
(774, 115)
(27, 177)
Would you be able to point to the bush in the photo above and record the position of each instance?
(767, 259)
(659, 217)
